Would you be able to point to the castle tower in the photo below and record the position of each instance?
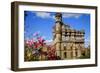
(58, 31)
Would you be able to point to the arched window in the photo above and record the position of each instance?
(65, 56)
(76, 53)
(64, 47)
(71, 50)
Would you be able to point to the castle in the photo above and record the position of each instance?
(68, 42)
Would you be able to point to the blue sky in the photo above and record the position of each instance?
(43, 22)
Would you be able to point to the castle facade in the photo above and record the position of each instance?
(68, 42)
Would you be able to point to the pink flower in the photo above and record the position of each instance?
(51, 53)
(29, 43)
(35, 45)
(41, 41)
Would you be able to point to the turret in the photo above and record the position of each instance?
(58, 31)
(58, 17)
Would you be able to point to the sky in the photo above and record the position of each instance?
(43, 22)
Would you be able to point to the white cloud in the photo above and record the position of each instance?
(65, 15)
(87, 42)
(43, 14)
(49, 40)
(70, 15)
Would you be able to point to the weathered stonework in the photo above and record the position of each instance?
(68, 42)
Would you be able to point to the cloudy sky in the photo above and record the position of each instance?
(42, 22)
